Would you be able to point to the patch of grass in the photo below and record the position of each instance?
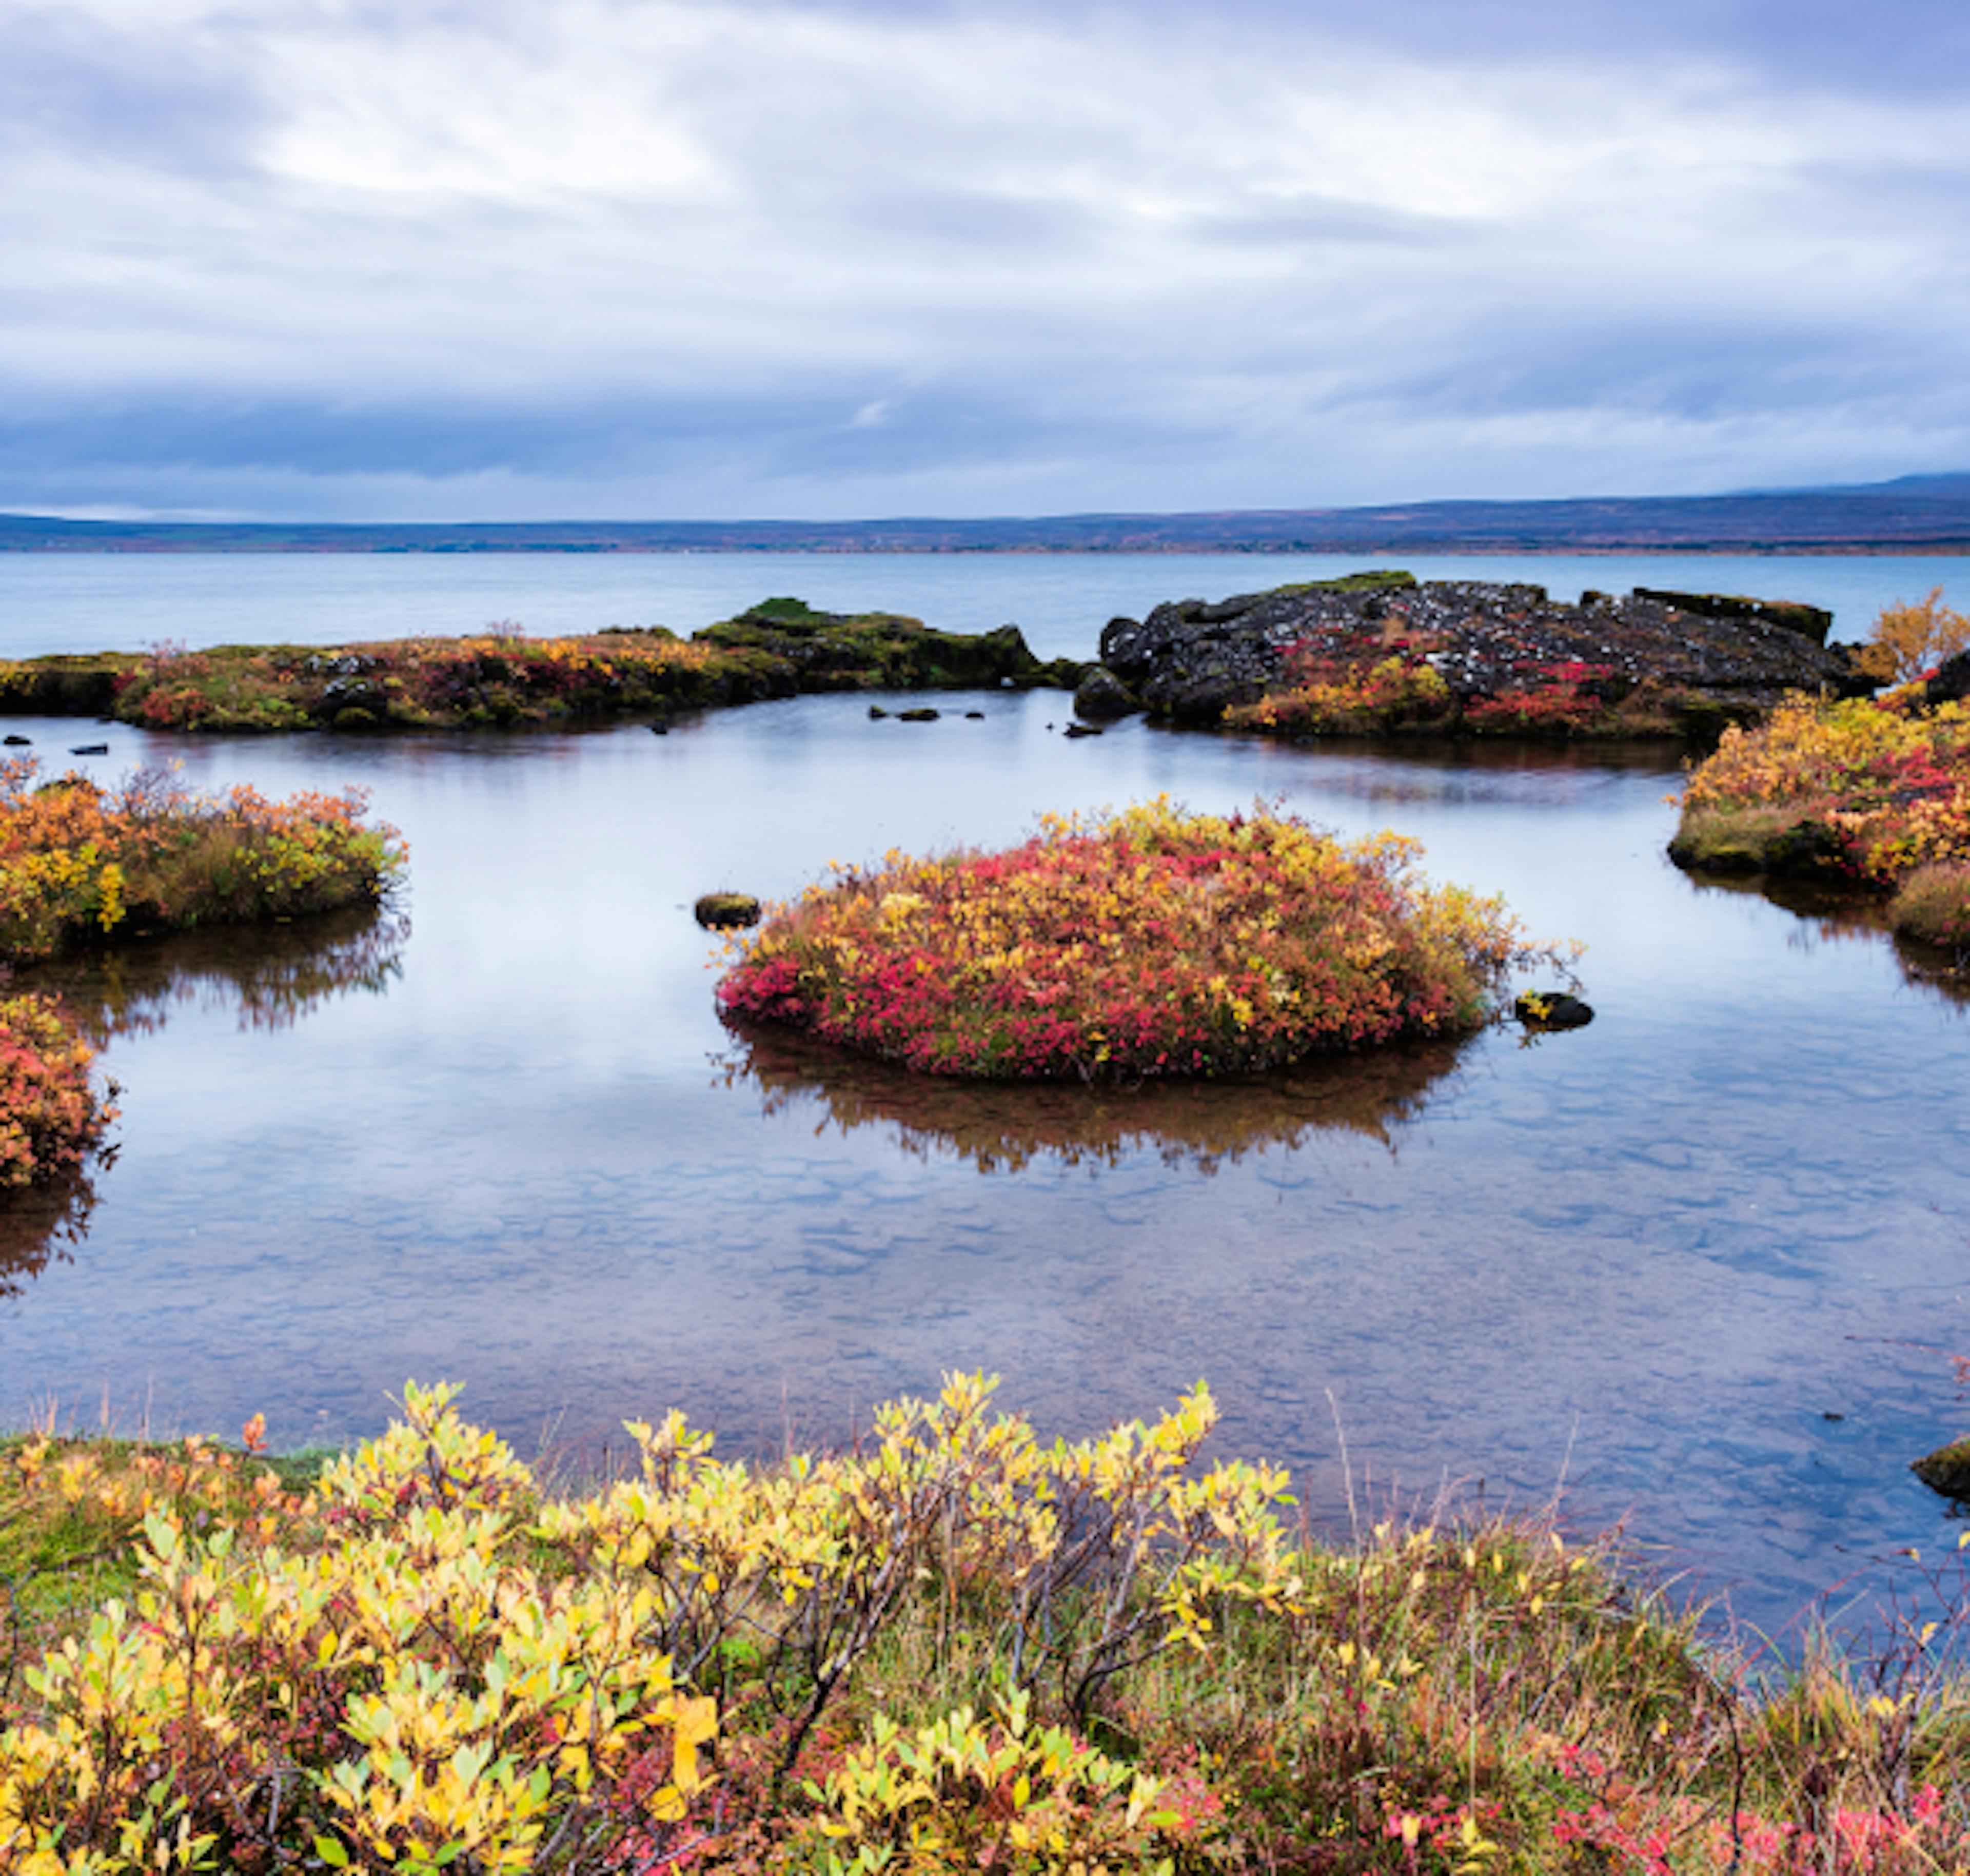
(1932, 906)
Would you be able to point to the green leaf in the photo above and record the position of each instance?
(331, 1853)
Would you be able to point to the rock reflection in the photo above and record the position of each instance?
(1830, 915)
(1002, 1127)
(273, 975)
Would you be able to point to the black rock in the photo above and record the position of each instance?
(1951, 685)
(660, 727)
(974, 715)
(18, 742)
(1552, 1010)
(1103, 696)
(725, 911)
(1946, 1470)
(923, 714)
(90, 748)
(1082, 729)
(876, 713)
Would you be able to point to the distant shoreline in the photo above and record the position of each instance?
(1916, 515)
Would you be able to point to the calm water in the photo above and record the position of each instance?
(94, 602)
(503, 1137)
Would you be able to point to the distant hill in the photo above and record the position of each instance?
(1916, 514)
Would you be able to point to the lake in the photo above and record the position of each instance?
(126, 602)
(1701, 1268)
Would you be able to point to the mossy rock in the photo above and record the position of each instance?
(726, 912)
(1946, 1470)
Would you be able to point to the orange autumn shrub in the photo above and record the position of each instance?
(1144, 943)
(78, 862)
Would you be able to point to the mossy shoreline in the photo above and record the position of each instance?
(780, 648)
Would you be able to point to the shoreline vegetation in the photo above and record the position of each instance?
(1863, 796)
(1132, 946)
(80, 865)
(780, 648)
(1371, 654)
(955, 1647)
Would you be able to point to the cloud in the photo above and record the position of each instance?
(642, 257)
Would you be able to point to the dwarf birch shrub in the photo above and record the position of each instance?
(1148, 942)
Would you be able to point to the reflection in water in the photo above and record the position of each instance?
(273, 974)
(1003, 1127)
(1832, 915)
(38, 1225)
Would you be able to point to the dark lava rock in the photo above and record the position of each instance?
(725, 911)
(1101, 697)
(90, 748)
(923, 714)
(1081, 728)
(1811, 621)
(1951, 685)
(1552, 1010)
(1946, 1470)
(18, 742)
(1190, 659)
(974, 715)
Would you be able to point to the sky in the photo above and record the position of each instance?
(612, 260)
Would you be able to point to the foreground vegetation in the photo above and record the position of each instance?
(954, 1649)
(80, 863)
(1876, 795)
(502, 676)
(1135, 944)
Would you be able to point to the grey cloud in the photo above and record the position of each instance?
(164, 98)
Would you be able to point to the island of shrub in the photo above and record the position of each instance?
(1144, 943)
(955, 1648)
(778, 648)
(1873, 795)
(80, 863)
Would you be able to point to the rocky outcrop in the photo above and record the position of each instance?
(1189, 660)
(1951, 685)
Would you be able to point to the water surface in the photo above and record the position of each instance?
(96, 602)
(512, 1143)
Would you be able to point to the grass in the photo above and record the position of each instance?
(501, 677)
(955, 1649)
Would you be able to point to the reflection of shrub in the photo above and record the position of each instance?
(50, 1119)
(1146, 943)
(1202, 1125)
(77, 862)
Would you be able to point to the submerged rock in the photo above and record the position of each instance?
(1946, 1470)
(726, 912)
(1552, 1010)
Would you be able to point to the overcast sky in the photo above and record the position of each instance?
(449, 259)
